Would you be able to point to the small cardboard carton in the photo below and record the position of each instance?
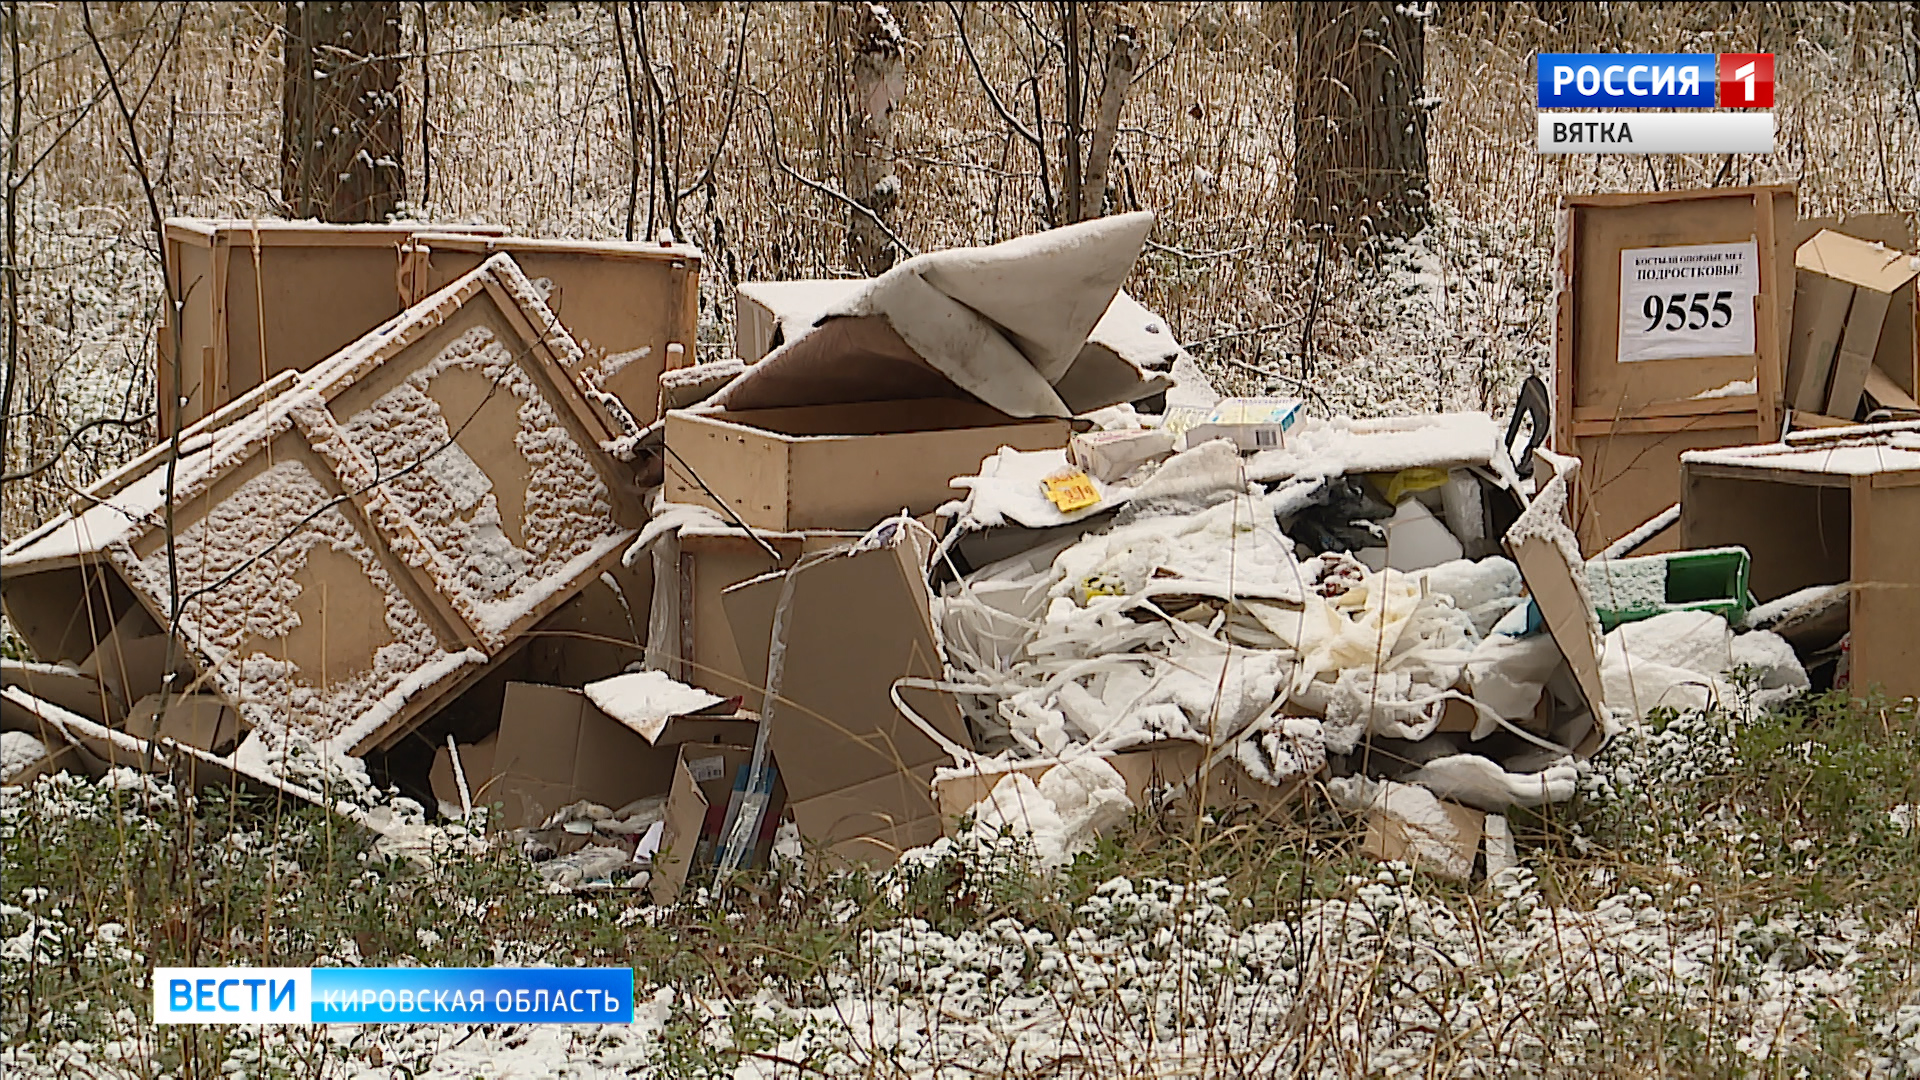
(858, 773)
(1111, 455)
(555, 749)
(839, 466)
(1854, 312)
(708, 783)
(1252, 424)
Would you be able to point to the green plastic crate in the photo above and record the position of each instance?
(1711, 579)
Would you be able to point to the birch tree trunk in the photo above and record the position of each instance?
(879, 84)
(1123, 58)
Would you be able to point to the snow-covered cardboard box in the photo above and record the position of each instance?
(263, 297)
(556, 748)
(843, 466)
(358, 548)
(633, 307)
(1833, 507)
(858, 773)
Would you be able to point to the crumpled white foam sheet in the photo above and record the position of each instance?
(1005, 323)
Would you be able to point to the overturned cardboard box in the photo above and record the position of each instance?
(359, 547)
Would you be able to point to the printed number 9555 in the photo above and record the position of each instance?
(1679, 312)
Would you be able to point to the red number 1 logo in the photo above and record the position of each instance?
(1746, 80)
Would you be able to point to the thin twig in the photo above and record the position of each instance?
(993, 97)
(72, 438)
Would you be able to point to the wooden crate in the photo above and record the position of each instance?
(839, 466)
(1599, 396)
(1825, 508)
(262, 297)
(362, 546)
(633, 308)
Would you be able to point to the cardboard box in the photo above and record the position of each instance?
(695, 642)
(1666, 404)
(704, 777)
(632, 307)
(857, 772)
(1252, 424)
(359, 548)
(1856, 303)
(839, 466)
(263, 297)
(476, 764)
(1554, 582)
(1820, 508)
(555, 749)
(1111, 455)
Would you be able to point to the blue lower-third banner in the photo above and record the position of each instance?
(393, 995)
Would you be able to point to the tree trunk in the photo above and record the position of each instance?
(879, 82)
(341, 124)
(1359, 121)
(1123, 58)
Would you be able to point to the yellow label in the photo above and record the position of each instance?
(1074, 491)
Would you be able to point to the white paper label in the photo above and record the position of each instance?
(1690, 300)
(707, 769)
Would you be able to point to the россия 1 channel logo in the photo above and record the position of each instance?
(1739, 82)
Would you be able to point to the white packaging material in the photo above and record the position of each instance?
(1417, 540)
(1502, 854)
(1481, 783)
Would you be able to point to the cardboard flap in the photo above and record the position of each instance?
(858, 622)
(1542, 545)
(1857, 262)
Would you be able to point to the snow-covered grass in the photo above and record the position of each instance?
(1722, 900)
